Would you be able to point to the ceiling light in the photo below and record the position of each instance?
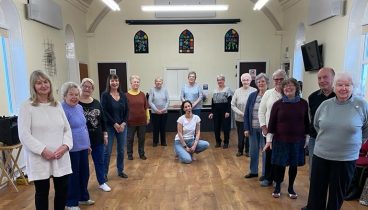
(183, 8)
(112, 5)
(259, 4)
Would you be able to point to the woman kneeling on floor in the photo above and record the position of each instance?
(187, 139)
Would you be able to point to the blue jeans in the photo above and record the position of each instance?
(186, 157)
(98, 160)
(312, 142)
(256, 143)
(78, 180)
(121, 141)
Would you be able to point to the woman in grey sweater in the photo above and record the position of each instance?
(341, 124)
(159, 102)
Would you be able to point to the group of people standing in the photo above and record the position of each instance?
(275, 121)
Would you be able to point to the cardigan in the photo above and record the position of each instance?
(114, 115)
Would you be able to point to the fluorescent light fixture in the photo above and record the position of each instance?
(184, 8)
(260, 4)
(112, 4)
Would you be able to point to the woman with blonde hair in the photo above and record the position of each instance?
(46, 144)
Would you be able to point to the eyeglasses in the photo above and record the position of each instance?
(278, 79)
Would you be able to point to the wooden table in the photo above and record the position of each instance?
(11, 163)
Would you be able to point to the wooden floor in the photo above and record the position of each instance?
(214, 181)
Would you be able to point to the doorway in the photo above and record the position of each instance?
(105, 69)
(253, 68)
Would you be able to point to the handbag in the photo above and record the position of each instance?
(9, 130)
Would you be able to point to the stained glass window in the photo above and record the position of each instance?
(231, 41)
(186, 42)
(140, 42)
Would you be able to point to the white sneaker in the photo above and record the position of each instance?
(105, 187)
(73, 208)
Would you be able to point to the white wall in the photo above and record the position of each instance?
(35, 34)
(113, 41)
(332, 33)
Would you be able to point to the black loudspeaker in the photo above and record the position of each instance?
(9, 130)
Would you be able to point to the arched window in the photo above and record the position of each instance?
(356, 52)
(186, 42)
(12, 59)
(298, 65)
(140, 42)
(71, 59)
(231, 41)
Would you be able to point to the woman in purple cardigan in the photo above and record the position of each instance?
(78, 180)
(288, 130)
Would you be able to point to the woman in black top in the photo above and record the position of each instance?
(96, 129)
(115, 106)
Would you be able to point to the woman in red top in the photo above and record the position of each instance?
(138, 117)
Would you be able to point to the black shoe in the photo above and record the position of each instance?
(261, 178)
(123, 175)
(353, 195)
(130, 157)
(238, 154)
(163, 144)
(217, 145)
(154, 144)
(248, 176)
(247, 154)
(143, 157)
(225, 146)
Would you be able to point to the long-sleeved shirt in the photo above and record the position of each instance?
(315, 99)
(138, 108)
(95, 121)
(77, 123)
(158, 99)
(192, 93)
(115, 111)
(41, 127)
(264, 111)
(221, 101)
(239, 101)
(289, 121)
(341, 128)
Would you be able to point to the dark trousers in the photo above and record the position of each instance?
(159, 128)
(221, 123)
(279, 172)
(332, 177)
(269, 171)
(243, 142)
(98, 160)
(141, 131)
(78, 180)
(42, 188)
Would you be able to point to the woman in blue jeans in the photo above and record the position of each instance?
(96, 129)
(187, 139)
(252, 127)
(115, 106)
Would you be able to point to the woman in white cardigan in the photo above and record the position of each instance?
(46, 137)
